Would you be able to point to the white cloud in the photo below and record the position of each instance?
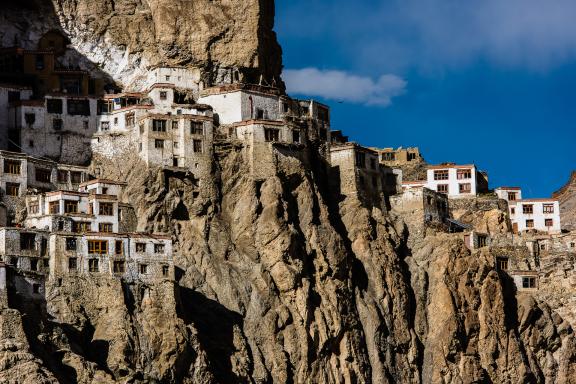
(343, 86)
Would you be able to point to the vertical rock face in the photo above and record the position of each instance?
(279, 280)
(125, 37)
(567, 198)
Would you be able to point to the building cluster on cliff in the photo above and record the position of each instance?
(55, 119)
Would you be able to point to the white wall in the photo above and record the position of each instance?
(538, 215)
(502, 193)
(453, 181)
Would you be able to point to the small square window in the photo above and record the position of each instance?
(163, 95)
(72, 264)
(143, 269)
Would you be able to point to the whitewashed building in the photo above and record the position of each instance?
(456, 180)
(510, 194)
(535, 214)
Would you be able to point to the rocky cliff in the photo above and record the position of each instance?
(278, 279)
(123, 38)
(567, 198)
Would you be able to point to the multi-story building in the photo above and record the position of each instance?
(94, 208)
(79, 233)
(535, 214)
(541, 215)
(356, 171)
(128, 256)
(456, 180)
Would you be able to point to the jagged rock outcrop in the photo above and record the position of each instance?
(122, 38)
(278, 280)
(567, 198)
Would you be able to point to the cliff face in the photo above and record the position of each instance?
(280, 283)
(124, 37)
(567, 198)
(278, 280)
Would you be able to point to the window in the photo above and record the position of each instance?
(54, 207)
(296, 136)
(104, 190)
(174, 161)
(502, 263)
(57, 124)
(12, 189)
(106, 209)
(512, 196)
(441, 175)
(70, 243)
(542, 247)
(14, 261)
(482, 241)
(62, 176)
(13, 96)
(572, 245)
(285, 107)
(27, 241)
(76, 177)
(528, 282)
(442, 188)
(12, 167)
(411, 156)
(159, 144)
(175, 124)
(85, 124)
(175, 145)
(158, 248)
(60, 225)
(197, 146)
(119, 266)
(465, 188)
(39, 62)
(78, 107)
(165, 270)
(105, 126)
(54, 106)
(360, 159)
(93, 265)
(31, 143)
(81, 227)
(462, 174)
(33, 208)
(259, 113)
(115, 121)
(70, 206)
(105, 227)
(159, 125)
(529, 223)
(527, 209)
(35, 287)
(548, 208)
(129, 119)
(98, 247)
(33, 265)
(167, 78)
(549, 222)
(513, 211)
(141, 247)
(271, 134)
(43, 175)
(143, 269)
(388, 156)
(196, 128)
(72, 264)
(374, 181)
(29, 118)
(119, 247)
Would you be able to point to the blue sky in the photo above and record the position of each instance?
(490, 82)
